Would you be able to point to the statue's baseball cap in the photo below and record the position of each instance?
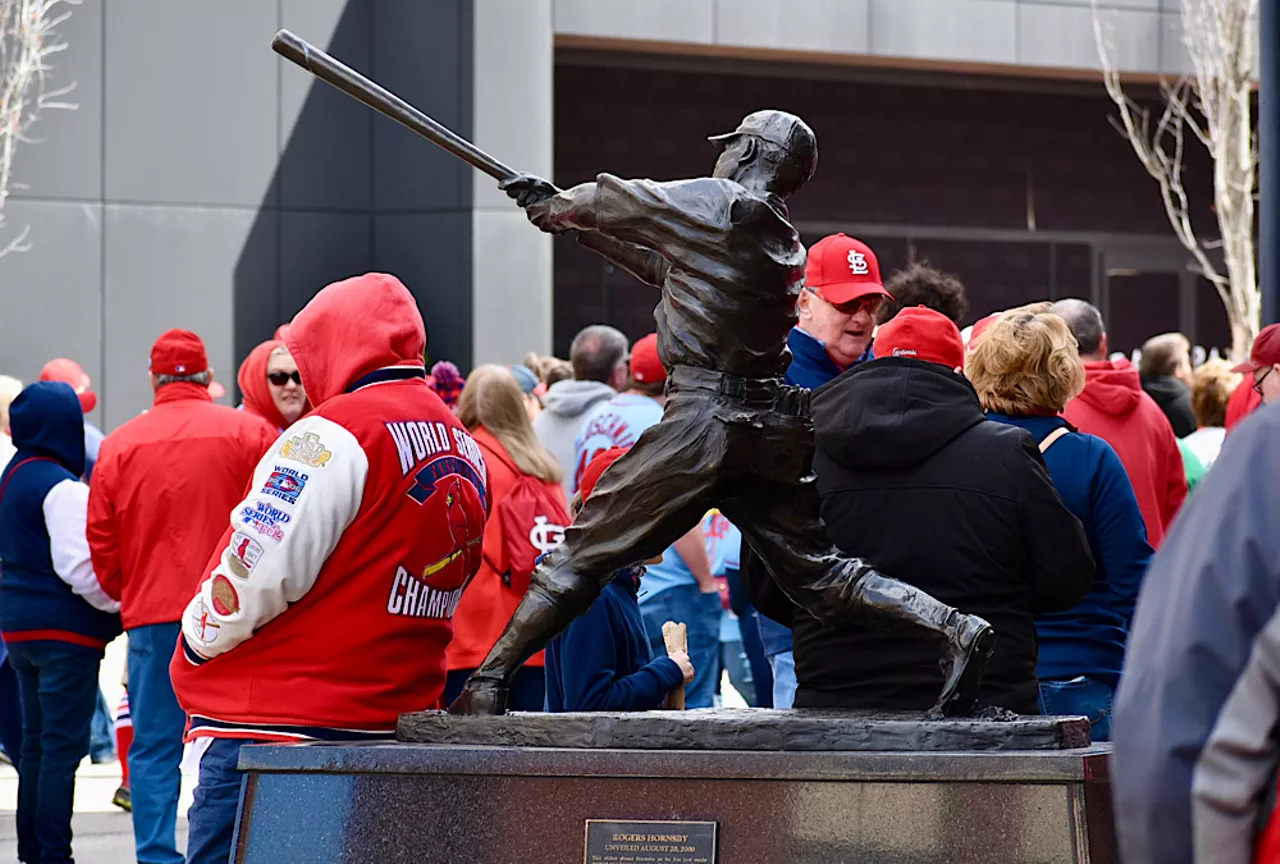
(1266, 350)
(781, 129)
(645, 365)
(178, 352)
(922, 334)
(841, 269)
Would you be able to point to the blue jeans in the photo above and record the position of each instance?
(102, 733)
(1087, 697)
(700, 613)
(212, 817)
(59, 683)
(156, 752)
(10, 712)
(784, 679)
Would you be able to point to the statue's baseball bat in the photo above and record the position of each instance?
(333, 71)
(676, 638)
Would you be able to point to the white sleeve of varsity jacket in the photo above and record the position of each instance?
(305, 493)
(66, 511)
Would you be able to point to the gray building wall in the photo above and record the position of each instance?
(205, 183)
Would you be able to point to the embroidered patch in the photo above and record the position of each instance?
(202, 630)
(225, 599)
(307, 449)
(285, 484)
(265, 519)
(244, 554)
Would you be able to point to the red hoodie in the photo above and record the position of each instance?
(1243, 402)
(1114, 407)
(254, 388)
(326, 610)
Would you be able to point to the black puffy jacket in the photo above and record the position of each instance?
(914, 478)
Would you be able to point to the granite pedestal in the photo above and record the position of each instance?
(782, 788)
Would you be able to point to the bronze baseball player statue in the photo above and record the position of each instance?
(729, 266)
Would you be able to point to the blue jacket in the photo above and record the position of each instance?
(810, 367)
(1089, 639)
(603, 661)
(48, 590)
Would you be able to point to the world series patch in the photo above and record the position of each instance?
(285, 484)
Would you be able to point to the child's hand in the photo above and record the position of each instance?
(682, 660)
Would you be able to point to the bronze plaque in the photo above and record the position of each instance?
(650, 842)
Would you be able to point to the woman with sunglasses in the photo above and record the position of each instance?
(271, 386)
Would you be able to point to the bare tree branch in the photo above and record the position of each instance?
(28, 38)
(1215, 104)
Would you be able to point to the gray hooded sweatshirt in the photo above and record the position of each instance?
(567, 404)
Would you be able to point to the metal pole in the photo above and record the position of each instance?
(1269, 168)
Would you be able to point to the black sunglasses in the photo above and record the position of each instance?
(1258, 379)
(282, 378)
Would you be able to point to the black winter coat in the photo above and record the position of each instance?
(1174, 400)
(914, 478)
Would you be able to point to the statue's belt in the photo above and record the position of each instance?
(773, 394)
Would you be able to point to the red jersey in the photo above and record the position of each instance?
(327, 607)
(161, 491)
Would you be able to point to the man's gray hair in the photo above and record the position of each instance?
(1085, 322)
(596, 351)
(202, 378)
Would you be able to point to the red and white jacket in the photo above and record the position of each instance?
(327, 607)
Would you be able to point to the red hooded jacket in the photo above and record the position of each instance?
(160, 495)
(327, 607)
(254, 388)
(1243, 402)
(1114, 407)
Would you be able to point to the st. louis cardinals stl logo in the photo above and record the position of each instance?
(858, 263)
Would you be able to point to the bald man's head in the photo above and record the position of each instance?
(1085, 322)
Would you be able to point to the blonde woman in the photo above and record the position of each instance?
(1026, 368)
(1211, 388)
(521, 471)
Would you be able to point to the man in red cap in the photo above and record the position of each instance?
(903, 446)
(681, 587)
(1261, 382)
(164, 484)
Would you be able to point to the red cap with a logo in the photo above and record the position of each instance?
(922, 334)
(646, 367)
(841, 269)
(178, 352)
(1266, 350)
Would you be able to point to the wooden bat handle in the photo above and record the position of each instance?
(676, 638)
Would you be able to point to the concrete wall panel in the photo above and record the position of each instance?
(329, 161)
(65, 158)
(50, 295)
(835, 26)
(663, 20)
(347, 239)
(1065, 36)
(181, 127)
(168, 267)
(975, 30)
(511, 278)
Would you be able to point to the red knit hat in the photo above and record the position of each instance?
(645, 365)
(596, 467)
(178, 352)
(922, 334)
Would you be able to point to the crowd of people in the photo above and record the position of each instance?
(355, 485)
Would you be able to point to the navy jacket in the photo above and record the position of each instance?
(603, 661)
(36, 601)
(810, 367)
(1089, 639)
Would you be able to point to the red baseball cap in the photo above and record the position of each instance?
(70, 372)
(645, 365)
(596, 467)
(922, 334)
(841, 269)
(1266, 350)
(178, 352)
